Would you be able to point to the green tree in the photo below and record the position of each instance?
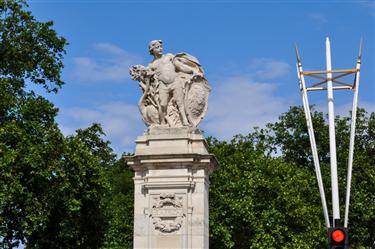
(119, 207)
(290, 131)
(75, 217)
(259, 199)
(51, 187)
(29, 51)
(30, 145)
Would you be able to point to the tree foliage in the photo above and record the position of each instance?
(30, 51)
(51, 186)
(262, 202)
(259, 199)
(288, 133)
(119, 207)
(75, 213)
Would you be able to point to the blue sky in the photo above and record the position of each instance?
(246, 49)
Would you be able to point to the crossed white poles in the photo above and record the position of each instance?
(329, 80)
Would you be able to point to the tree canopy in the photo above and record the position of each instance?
(265, 194)
(51, 186)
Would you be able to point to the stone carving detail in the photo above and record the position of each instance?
(175, 91)
(167, 213)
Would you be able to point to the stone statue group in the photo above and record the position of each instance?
(175, 91)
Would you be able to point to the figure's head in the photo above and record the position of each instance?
(155, 47)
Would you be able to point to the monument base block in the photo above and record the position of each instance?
(171, 166)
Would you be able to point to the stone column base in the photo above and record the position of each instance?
(171, 189)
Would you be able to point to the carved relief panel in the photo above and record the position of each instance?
(167, 212)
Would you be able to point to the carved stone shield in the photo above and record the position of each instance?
(167, 213)
(196, 99)
(196, 88)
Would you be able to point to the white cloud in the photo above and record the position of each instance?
(120, 121)
(318, 18)
(266, 69)
(112, 64)
(238, 104)
(110, 48)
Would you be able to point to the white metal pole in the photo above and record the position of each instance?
(310, 129)
(352, 136)
(332, 138)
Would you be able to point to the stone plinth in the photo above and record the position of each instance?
(171, 189)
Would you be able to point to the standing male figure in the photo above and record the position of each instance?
(164, 69)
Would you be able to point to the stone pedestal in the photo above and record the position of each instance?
(171, 168)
